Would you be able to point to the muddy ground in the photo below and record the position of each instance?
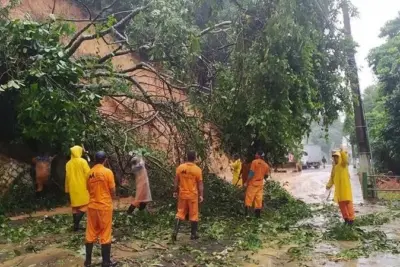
(304, 245)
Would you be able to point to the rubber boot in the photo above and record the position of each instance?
(350, 222)
(130, 209)
(346, 221)
(74, 219)
(77, 217)
(193, 232)
(258, 213)
(89, 249)
(142, 206)
(246, 211)
(106, 255)
(176, 230)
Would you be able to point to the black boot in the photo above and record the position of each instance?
(176, 230)
(130, 209)
(142, 206)
(246, 211)
(258, 213)
(77, 217)
(106, 255)
(89, 249)
(350, 222)
(346, 221)
(193, 232)
(75, 225)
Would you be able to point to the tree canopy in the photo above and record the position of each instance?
(260, 71)
(383, 101)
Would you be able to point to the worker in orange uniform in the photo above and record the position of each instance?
(189, 191)
(340, 178)
(259, 169)
(101, 186)
(76, 175)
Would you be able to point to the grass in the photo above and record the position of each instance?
(223, 227)
(388, 195)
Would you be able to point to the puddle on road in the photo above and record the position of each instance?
(309, 186)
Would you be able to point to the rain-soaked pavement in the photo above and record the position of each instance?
(309, 186)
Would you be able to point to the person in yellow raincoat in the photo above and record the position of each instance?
(143, 193)
(340, 178)
(77, 172)
(236, 167)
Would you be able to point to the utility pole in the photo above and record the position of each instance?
(352, 74)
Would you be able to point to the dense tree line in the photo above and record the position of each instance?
(382, 101)
(260, 71)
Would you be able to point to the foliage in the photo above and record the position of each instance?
(349, 128)
(280, 74)
(20, 197)
(383, 118)
(223, 231)
(48, 109)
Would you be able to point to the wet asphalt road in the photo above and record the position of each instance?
(309, 185)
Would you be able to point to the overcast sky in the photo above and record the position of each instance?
(372, 16)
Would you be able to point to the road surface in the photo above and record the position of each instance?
(309, 185)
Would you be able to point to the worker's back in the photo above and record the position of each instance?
(189, 174)
(260, 169)
(100, 183)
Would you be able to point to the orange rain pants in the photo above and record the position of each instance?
(186, 206)
(347, 209)
(79, 209)
(99, 224)
(254, 194)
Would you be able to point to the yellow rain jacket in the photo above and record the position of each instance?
(340, 178)
(236, 167)
(77, 172)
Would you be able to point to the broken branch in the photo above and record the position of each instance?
(79, 33)
(206, 30)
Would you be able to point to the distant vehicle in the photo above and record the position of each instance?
(314, 156)
(304, 159)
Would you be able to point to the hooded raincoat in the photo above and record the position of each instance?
(236, 167)
(340, 178)
(77, 171)
(143, 193)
